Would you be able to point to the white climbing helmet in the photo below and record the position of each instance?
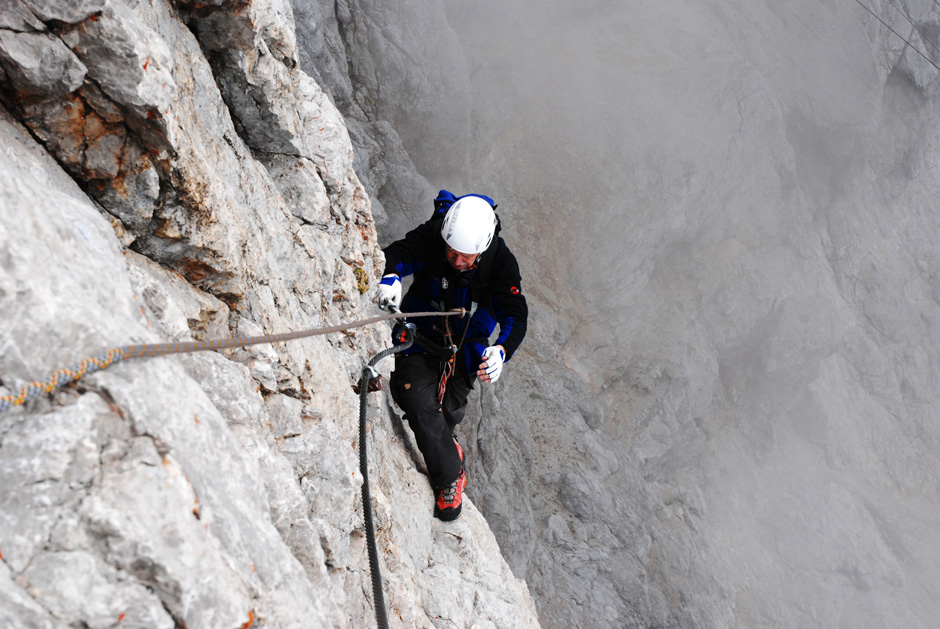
(469, 225)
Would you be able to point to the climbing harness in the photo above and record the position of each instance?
(116, 355)
(447, 353)
(404, 339)
(450, 363)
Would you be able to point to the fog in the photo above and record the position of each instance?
(725, 217)
(725, 412)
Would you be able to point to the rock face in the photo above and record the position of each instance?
(725, 412)
(167, 173)
(397, 72)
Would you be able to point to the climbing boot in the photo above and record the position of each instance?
(449, 499)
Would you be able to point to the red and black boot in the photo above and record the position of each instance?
(449, 499)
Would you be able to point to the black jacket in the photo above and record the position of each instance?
(493, 284)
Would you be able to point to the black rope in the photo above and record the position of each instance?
(369, 373)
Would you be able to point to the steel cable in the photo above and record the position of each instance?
(904, 39)
(118, 354)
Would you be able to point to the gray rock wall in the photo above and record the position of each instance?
(397, 73)
(167, 173)
(724, 414)
(726, 211)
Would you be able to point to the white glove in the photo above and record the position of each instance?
(390, 292)
(493, 359)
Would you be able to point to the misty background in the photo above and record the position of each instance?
(725, 412)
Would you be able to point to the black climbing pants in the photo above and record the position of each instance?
(414, 388)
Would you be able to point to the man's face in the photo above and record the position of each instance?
(461, 261)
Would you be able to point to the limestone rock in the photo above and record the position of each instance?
(132, 65)
(16, 16)
(68, 12)
(339, 46)
(415, 77)
(216, 489)
(39, 65)
(724, 226)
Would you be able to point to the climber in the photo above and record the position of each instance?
(458, 261)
